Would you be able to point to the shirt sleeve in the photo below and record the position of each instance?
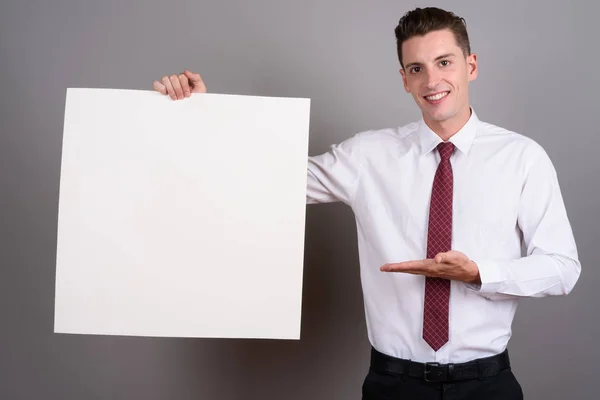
(334, 176)
(551, 266)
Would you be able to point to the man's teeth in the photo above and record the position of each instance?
(436, 96)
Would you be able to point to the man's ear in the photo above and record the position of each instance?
(472, 66)
(404, 81)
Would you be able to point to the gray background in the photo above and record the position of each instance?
(538, 75)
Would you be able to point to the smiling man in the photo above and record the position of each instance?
(444, 206)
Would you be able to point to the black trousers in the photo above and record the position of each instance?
(387, 386)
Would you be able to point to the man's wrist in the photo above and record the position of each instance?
(475, 276)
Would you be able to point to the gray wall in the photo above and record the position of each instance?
(538, 75)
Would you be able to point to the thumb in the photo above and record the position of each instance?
(196, 81)
(448, 257)
(440, 258)
(451, 257)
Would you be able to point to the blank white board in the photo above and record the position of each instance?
(181, 218)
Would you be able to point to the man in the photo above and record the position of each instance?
(443, 207)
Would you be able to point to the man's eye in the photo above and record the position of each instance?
(445, 63)
(415, 69)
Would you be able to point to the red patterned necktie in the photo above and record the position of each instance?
(439, 239)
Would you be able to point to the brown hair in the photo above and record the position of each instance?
(421, 21)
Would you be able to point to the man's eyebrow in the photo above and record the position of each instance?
(447, 55)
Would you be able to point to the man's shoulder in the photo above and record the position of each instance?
(491, 134)
(380, 136)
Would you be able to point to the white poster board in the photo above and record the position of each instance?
(181, 218)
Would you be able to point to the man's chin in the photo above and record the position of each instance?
(437, 117)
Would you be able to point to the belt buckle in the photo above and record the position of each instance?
(427, 370)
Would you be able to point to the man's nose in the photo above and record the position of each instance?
(433, 79)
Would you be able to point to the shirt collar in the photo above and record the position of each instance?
(463, 139)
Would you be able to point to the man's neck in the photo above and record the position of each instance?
(446, 129)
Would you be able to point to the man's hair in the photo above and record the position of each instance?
(421, 21)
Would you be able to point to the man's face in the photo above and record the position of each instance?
(437, 74)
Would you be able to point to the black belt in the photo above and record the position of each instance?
(435, 372)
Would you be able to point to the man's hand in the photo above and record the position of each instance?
(452, 265)
(180, 86)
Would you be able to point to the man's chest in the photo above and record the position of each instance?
(396, 193)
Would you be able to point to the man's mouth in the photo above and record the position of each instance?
(437, 96)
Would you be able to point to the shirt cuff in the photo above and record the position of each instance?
(490, 273)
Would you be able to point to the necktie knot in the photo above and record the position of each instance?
(445, 149)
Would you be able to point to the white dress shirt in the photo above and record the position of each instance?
(506, 195)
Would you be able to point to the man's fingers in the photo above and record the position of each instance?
(170, 91)
(198, 85)
(185, 86)
(407, 266)
(176, 86)
(159, 87)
